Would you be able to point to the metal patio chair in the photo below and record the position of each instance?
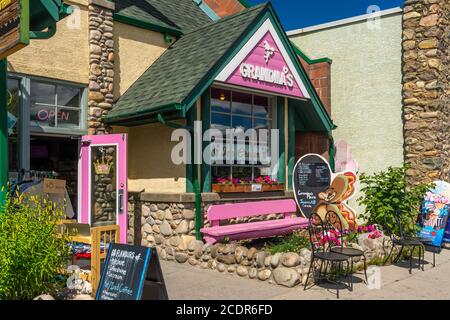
(334, 222)
(320, 253)
(404, 242)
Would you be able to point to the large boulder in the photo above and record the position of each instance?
(286, 277)
(290, 259)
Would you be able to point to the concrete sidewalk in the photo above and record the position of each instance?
(187, 282)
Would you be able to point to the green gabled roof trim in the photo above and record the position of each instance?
(308, 59)
(147, 25)
(208, 75)
(245, 3)
(230, 53)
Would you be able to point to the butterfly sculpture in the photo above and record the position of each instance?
(333, 199)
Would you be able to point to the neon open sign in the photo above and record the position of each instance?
(46, 115)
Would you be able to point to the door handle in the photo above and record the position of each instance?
(121, 201)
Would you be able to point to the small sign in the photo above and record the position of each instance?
(14, 26)
(256, 187)
(312, 175)
(434, 214)
(54, 186)
(131, 273)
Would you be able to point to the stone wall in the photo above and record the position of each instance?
(425, 89)
(101, 64)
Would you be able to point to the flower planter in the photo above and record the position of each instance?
(217, 187)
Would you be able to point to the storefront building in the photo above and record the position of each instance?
(146, 69)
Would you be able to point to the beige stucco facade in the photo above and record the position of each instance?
(366, 89)
(150, 166)
(136, 50)
(65, 56)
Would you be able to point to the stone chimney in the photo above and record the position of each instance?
(101, 64)
(426, 76)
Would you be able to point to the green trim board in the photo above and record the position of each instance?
(206, 125)
(281, 138)
(3, 133)
(308, 59)
(291, 145)
(190, 167)
(245, 3)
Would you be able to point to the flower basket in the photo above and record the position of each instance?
(241, 187)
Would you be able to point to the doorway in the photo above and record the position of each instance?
(58, 154)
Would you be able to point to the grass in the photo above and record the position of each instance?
(292, 243)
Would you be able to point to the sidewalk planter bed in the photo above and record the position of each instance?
(237, 187)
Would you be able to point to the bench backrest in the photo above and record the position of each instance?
(249, 209)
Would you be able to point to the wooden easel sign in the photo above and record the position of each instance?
(131, 273)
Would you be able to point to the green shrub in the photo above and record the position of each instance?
(387, 191)
(32, 253)
(292, 243)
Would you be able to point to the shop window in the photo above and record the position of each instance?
(241, 111)
(55, 105)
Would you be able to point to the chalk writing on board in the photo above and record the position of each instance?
(124, 273)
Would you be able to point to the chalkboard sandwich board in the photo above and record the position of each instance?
(312, 175)
(131, 273)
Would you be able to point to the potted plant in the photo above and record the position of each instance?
(228, 184)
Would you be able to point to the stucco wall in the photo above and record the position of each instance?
(366, 88)
(65, 56)
(150, 167)
(140, 47)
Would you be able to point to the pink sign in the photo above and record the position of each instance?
(265, 68)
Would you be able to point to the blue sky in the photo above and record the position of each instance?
(296, 14)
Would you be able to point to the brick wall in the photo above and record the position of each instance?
(225, 8)
(320, 75)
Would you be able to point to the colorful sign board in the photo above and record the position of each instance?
(312, 175)
(14, 26)
(434, 214)
(54, 186)
(264, 64)
(131, 273)
(318, 190)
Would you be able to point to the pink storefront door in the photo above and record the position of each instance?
(103, 176)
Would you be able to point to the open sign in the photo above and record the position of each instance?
(46, 115)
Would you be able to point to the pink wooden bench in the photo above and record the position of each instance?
(252, 230)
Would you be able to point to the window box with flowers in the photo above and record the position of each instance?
(246, 184)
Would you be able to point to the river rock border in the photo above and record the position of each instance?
(170, 228)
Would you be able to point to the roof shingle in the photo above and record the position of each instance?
(181, 68)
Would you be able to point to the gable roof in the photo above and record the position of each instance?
(189, 66)
(173, 17)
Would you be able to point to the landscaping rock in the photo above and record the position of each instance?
(242, 271)
(183, 227)
(212, 264)
(260, 256)
(267, 261)
(188, 214)
(192, 261)
(221, 267)
(231, 269)
(226, 259)
(251, 253)
(44, 297)
(229, 248)
(253, 273)
(286, 277)
(290, 259)
(181, 257)
(240, 253)
(195, 245)
(263, 275)
(275, 260)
